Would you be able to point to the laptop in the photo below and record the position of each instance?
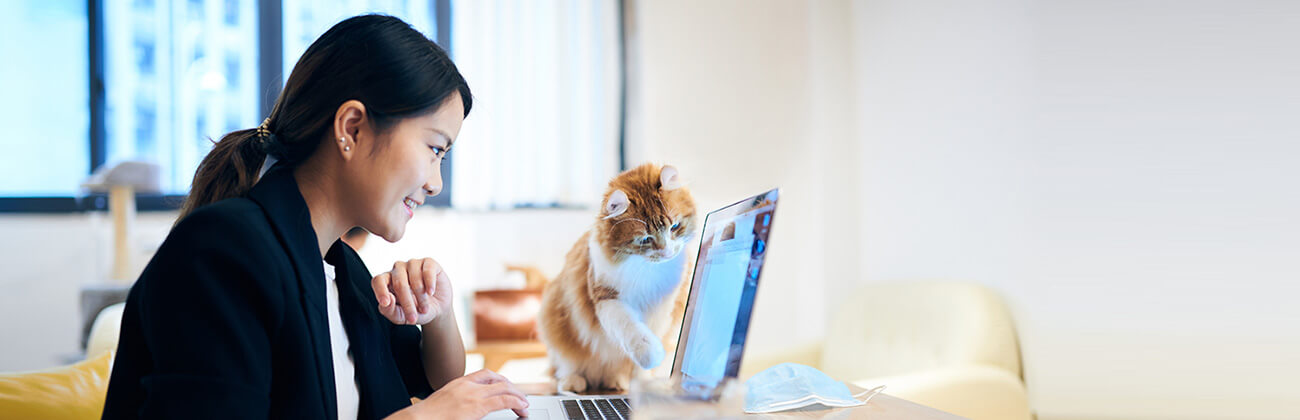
(712, 338)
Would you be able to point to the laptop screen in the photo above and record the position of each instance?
(723, 284)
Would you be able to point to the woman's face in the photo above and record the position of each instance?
(400, 169)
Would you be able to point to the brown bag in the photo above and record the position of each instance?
(506, 314)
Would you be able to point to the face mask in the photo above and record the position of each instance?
(788, 386)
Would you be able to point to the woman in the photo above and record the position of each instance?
(253, 308)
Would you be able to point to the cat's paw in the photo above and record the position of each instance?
(573, 383)
(620, 385)
(647, 351)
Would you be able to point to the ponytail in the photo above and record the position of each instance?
(229, 170)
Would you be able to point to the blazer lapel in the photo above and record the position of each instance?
(277, 193)
(367, 342)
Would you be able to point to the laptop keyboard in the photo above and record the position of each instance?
(597, 409)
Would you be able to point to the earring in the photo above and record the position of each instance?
(345, 148)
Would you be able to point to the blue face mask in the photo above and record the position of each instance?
(788, 386)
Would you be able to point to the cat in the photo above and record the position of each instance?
(534, 278)
(613, 306)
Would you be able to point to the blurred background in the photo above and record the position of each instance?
(1117, 177)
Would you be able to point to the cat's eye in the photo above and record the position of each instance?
(676, 225)
(646, 240)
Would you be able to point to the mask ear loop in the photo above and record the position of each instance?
(869, 393)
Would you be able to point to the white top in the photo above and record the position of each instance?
(345, 383)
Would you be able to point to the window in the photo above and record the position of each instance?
(165, 78)
(177, 74)
(46, 148)
(547, 121)
(306, 20)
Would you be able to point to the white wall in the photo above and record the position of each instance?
(46, 260)
(723, 90)
(1120, 171)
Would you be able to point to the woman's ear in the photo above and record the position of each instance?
(349, 126)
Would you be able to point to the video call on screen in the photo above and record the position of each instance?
(730, 259)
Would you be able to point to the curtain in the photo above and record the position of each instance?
(545, 125)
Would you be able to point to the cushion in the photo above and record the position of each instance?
(69, 392)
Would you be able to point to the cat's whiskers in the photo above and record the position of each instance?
(631, 219)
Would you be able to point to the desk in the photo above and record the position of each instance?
(881, 407)
(497, 353)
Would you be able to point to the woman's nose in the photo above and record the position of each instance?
(434, 185)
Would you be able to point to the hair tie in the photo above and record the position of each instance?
(264, 135)
(264, 130)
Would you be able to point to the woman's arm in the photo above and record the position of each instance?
(472, 396)
(442, 350)
(202, 315)
(418, 292)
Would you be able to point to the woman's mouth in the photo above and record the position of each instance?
(410, 206)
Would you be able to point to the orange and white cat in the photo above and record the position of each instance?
(612, 307)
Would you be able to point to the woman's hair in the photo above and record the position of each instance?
(394, 70)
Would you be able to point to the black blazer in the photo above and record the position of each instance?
(228, 320)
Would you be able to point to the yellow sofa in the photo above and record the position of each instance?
(73, 392)
(70, 392)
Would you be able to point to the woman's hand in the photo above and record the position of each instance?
(414, 292)
(471, 396)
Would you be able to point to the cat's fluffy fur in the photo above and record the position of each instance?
(621, 291)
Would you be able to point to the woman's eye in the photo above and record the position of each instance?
(439, 153)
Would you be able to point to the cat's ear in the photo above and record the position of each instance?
(617, 204)
(668, 179)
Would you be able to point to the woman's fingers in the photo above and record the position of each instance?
(402, 288)
(429, 272)
(406, 293)
(490, 391)
(386, 305)
(484, 376)
(502, 388)
(379, 285)
(414, 271)
(517, 404)
(504, 393)
(473, 396)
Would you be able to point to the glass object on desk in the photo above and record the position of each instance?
(662, 398)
